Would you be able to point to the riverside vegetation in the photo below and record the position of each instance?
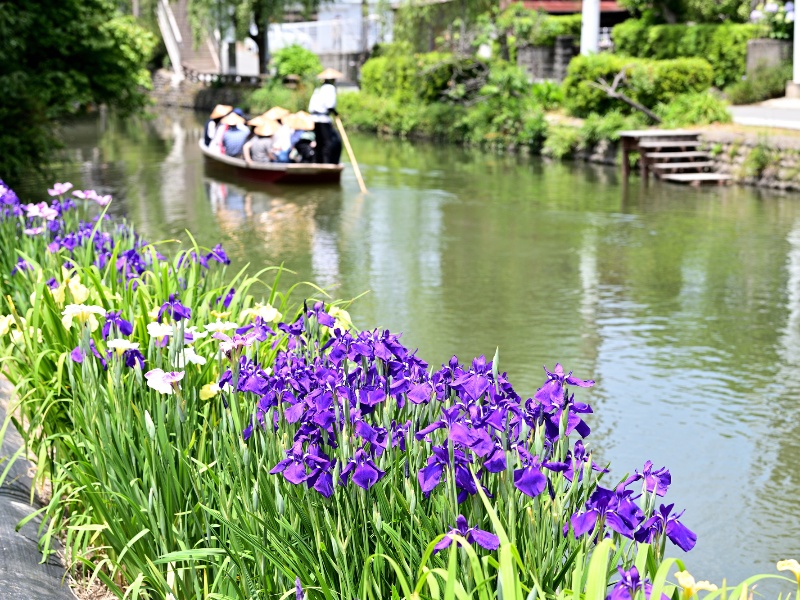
(203, 443)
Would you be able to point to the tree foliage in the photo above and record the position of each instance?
(700, 11)
(56, 57)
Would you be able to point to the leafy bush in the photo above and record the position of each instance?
(681, 11)
(700, 108)
(649, 82)
(561, 142)
(765, 83)
(548, 94)
(598, 128)
(724, 45)
(296, 60)
(535, 27)
(274, 93)
(57, 58)
(757, 160)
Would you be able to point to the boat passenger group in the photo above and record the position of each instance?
(279, 135)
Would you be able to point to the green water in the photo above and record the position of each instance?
(683, 304)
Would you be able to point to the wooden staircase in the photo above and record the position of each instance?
(671, 155)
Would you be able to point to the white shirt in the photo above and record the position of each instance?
(282, 140)
(322, 100)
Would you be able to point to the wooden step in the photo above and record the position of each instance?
(683, 165)
(697, 178)
(670, 144)
(676, 155)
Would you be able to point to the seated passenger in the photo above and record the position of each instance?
(303, 138)
(220, 111)
(234, 135)
(259, 148)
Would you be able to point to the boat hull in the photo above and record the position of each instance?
(291, 173)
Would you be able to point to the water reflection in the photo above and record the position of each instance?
(683, 303)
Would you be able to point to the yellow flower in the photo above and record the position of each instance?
(6, 322)
(267, 312)
(83, 314)
(790, 565)
(220, 315)
(59, 294)
(153, 314)
(18, 338)
(80, 293)
(208, 391)
(120, 346)
(342, 317)
(690, 586)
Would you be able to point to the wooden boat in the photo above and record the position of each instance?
(275, 172)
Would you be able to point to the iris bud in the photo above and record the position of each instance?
(149, 425)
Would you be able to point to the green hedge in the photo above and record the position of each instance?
(650, 82)
(535, 27)
(724, 45)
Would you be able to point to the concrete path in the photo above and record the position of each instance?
(22, 577)
(780, 112)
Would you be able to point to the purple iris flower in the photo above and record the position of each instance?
(630, 582)
(614, 508)
(219, 255)
(52, 283)
(174, 309)
(298, 590)
(77, 355)
(529, 479)
(364, 471)
(430, 476)
(293, 467)
(227, 299)
(132, 357)
(552, 392)
(115, 318)
(473, 535)
(662, 521)
(22, 265)
(657, 481)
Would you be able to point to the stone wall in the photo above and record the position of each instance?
(772, 162)
(192, 94)
(763, 53)
(546, 62)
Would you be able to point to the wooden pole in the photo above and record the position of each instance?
(350, 154)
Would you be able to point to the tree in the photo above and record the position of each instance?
(57, 57)
(677, 11)
(247, 18)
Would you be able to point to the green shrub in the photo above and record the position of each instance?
(535, 27)
(724, 45)
(418, 77)
(700, 108)
(757, 161)
(598, 128)
(561, 142)
(548, 94)
(274, 93)
(649, 82)
(296, 60)
(765, 83)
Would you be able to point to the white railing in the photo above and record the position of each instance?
(170, 34)
(336, 36)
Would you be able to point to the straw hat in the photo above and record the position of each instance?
(330, 74)
(220, 110)
(276, 113)
(232, 120)
(256, 121)
(267, 128)
(300, 120)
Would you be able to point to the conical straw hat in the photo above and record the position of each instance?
(267, 128)
(276, 113)
(232, 120)
(330, 74)
(300, 120)
(220, 110)
(256, 121)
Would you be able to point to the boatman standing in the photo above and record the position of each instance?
(321, 107)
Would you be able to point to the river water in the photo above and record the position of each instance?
(683, 304)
